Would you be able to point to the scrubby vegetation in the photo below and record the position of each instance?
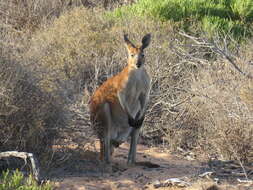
(223, 16)
(28, 114)
(15, 181)
(53, 59)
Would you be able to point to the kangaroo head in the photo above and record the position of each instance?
(136, 55)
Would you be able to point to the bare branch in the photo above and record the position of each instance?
(215, 48)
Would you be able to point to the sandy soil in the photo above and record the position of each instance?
(87, 173)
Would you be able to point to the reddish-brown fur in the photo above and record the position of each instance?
(107, 92)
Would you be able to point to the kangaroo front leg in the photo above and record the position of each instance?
(132, 151)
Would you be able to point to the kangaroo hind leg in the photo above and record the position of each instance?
(105, 140)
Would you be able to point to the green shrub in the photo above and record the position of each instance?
(242, 9)
(17, 181)
(233, 17)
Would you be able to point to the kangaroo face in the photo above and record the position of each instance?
(136, 55)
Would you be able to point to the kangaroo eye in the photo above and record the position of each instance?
(132, 55)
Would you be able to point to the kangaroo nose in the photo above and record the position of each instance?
(139, 63)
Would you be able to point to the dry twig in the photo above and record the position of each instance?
(216, 49)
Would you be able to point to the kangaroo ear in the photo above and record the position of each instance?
(146, 41)
(128, 43)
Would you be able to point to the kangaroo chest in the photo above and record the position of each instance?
(138, 82)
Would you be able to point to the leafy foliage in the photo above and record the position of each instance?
(17, 181)
(224, 16)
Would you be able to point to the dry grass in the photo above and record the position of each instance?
(222, 107)
(197, 102)
(201, 185)
(29, 14)
(79, 51)
(226, 119)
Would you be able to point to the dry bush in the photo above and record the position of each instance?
(28, 14)
(78, 51)
(65, 64)
(219, 115)
(29, 116)
(196, 101)
(70, 57)
(72, 42)
(19, 19)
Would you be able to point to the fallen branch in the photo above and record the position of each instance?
(24, 156)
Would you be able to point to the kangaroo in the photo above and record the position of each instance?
(118, 106)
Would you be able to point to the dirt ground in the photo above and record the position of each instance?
(154, 166)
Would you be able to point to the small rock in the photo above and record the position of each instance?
(121, 185)
(188, 157)
(206, 174)
(176, 181)
(157, 184)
